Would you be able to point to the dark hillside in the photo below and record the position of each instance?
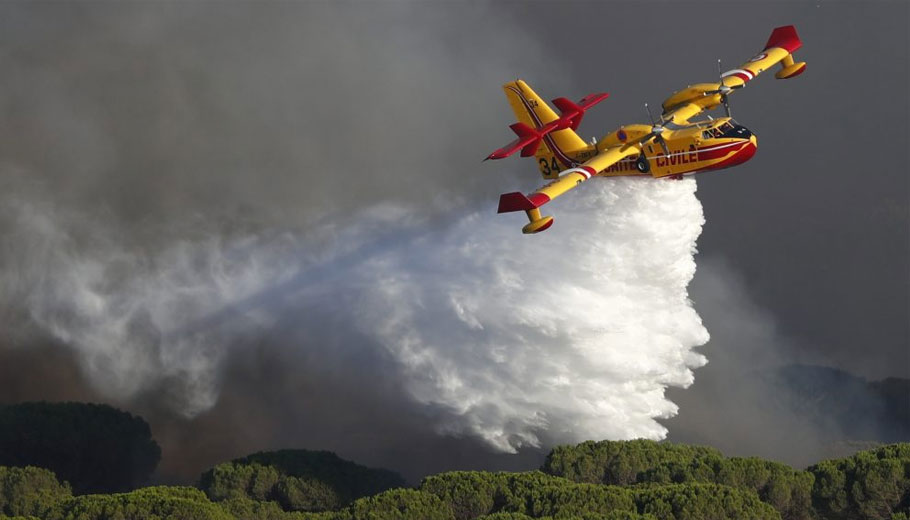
(94, 447)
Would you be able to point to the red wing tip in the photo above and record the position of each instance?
(798, 72)
(537, 226)
(593, 98)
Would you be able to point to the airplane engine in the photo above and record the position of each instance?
(688, 95)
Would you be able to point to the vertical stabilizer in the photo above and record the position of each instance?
(533, 111)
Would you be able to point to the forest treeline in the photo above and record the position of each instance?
(96, 448)
(621, 480)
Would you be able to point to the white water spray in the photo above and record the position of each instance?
(568, 335)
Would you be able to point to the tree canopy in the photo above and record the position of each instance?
(298, 480)
(622, 480)
(869, 485)
(96, 448)
(788, 490)
(30, 491)
(177, 503)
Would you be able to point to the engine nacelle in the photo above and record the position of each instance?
(694, 94)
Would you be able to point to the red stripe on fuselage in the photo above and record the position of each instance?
(716, 152)
(743, 154)
(742, 76)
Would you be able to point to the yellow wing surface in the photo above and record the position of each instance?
(689, 102)
(567, 180)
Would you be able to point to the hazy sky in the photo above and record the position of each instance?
(149, 126)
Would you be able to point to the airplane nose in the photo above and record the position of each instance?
(746, 152)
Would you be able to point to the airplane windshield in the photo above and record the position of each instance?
(728, 129)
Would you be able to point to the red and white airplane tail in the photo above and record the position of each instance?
(538, 123)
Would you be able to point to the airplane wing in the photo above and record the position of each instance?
(687, 103)
(567, 180)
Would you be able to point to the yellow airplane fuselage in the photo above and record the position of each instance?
(705, 146)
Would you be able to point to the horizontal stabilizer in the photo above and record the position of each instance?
(529, 138)
(528, 141)
(517, 201)
(572, 112)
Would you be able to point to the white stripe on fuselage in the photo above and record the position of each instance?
(582, 171)
(735, 71)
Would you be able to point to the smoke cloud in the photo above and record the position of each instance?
(566, 336)
(762, 395)
(79, 280)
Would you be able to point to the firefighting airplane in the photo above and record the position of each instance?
(671, 148)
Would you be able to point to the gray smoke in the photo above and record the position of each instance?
(575, 333)
(763, 395)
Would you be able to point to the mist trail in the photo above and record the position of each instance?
(568, 335)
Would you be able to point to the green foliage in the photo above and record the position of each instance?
(702, 502)
(663, 482)
(243, 508)
(871, 484)
(95, 448)
(614, 515)
(641, 461)
(29, 491)
(618, 462)
(298, 480)
(472, 494)
(246, 509)
(577, 499)
(401, 504)
(787, 490)
(152, 503)
(469, 493)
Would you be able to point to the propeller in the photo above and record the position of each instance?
(723, 90)
(656, 131)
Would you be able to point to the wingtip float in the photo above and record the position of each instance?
(673, 147)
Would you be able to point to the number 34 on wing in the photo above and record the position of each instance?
(674, 146)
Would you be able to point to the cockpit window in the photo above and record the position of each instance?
(727, 129)
(736, 131)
